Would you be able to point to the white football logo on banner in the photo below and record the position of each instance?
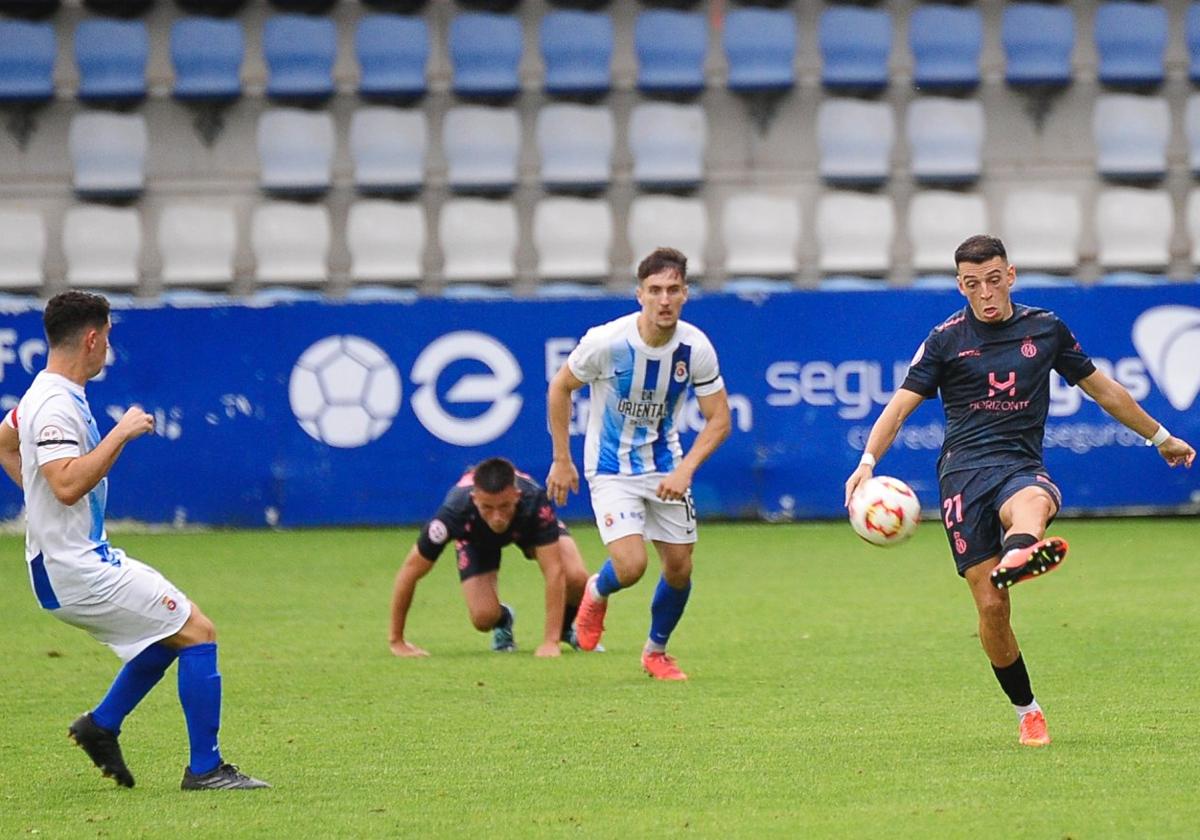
(1168, 340)
(496, 388)
(344, 391)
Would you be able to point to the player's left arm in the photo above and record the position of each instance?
(549, 558)
(717, 425)
(1114, 399)
(10, 450)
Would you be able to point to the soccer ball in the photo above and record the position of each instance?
(884, 511)
(344, 391)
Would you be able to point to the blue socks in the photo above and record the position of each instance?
(133, 682)
(200, 696)
(606, 579)
(665, 611)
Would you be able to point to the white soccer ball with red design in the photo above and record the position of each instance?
(884, 511)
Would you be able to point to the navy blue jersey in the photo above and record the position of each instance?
(535, 523)
(995, 383)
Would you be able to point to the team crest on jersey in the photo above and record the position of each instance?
(1028, 348)
(681, 371)
(50, 435)
(438, 532)
(608, 520)
(169, 603)
(960, 544)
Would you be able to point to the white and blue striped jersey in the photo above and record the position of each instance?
(637, 394)
(66, 547)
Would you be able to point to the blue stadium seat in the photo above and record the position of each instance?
(1131, 133)
(945, 42)
(855, 47)
(1131, 39)
(485, 50)
(855, 140)
(1038, 40)
(577, 50)
(387, 146)
(1193, 41)
(667, 141)
(760, 46)
(111, 56)
(945, 138)
(27, 53)
(299, 51)
(393, 51)
(207, 56)
(670, 49)
(295, 150)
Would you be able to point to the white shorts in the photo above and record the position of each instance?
(627, 504)
(140, 608)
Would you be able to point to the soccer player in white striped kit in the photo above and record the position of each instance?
(640, 368)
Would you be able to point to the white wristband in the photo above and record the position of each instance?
(868, 459)
(1160, 437)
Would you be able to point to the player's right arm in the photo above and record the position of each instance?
(71, 479)
(10, 449)
(883, 433)
(563, 476)
(415, 567)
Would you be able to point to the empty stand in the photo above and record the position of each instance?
(299, 51)
(1193, 41)
(198, 243)
(1193, 224)
(479, 240)
(1131, 39)
(760, 48)
(1038, 40)
(946, 42)
(392, 52)
(668, 142)
(207, 55)
(108, 153)
(945, 138)
(27, 53)
(481, 145)
(386, 241)
(1042, 228)
(938, 222)
(575, 144)
(387, 146)
(111, 56)
(855, 45)
(22, 248)
(1131, 134)
(577, 49)
(1191, 125)
(572, 237)
(854, 233)
(1134, 228)
(660, 220)
(855, 139)
(290, 242)
(670, 47)
(762, 234)
(102, 246)
(295, 150)
(485, 50)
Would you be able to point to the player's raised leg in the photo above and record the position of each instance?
(1024, 516)
(624, 567)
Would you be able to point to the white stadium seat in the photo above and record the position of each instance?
(762, 234)
(668, 143)
(108, 153)
(661, 220)
(387, 146)
(854, 233)
(1134, 228)
(855, 139)
(1193, 224)
(197, 243)
(295, 150)
(103, 246)
(1041, 229)
(1131, 134)
(575, 143)
(22, 248)
(481, 146)
(938, 222)
(572, 237)
(290, 242)
(945, 139)
(479, 239)
(386, 241)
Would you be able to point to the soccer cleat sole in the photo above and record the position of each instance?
(1048, 557)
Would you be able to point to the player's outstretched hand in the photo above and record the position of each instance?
(546, 650)
(563, 479)
(856, 478)
(1177, 452)
(407, 649)
(134, 423)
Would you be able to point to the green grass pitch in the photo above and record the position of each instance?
(837, 690)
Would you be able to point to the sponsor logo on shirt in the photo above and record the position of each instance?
(642, 410)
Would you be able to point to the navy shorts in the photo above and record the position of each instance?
(971, 502)
(479, 560)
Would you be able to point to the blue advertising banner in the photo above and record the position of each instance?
(334, 413)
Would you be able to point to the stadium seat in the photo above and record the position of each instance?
(762, 234)
(1038, 41)
(386, 241)
(102, 246)
(577, 49)
(387, 146)
(569, 290)
(393, 53)
(485, 50)
(35, 10)
(854, 233)
(667, 142)
(575, 143)
(1132, 278)
(1131, 39)
(856, 45)
(108, 153)
(851, 283)
(111, 56)
(197, 243)
(1193, 41)
(119, 8)
(1131, 134)
(479, 240)
(1134, 228)
(22, 247)
(476, 291)
(481, 146)
(945, 138)
(207, 54)
(1042, 229)
(760, 48)
(938, 222)
(290, 242)
(1191, 126)
(211, 8)
(382, 294)
(27, 52)
(936, 282)
(946, 42)
(1038, 280)
(295, 150)
(855, 139)
(572, 237)
(299, 51)
(1193, 224)
(757, 287)
(681, 223)
(671, 47)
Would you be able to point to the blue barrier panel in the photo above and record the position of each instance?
(329, 413)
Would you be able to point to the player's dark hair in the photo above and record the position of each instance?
(663, 259)
(979, 249)
(69, 313)
(495, 475)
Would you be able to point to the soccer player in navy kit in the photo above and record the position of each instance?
(991, 362)
(494, 505)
